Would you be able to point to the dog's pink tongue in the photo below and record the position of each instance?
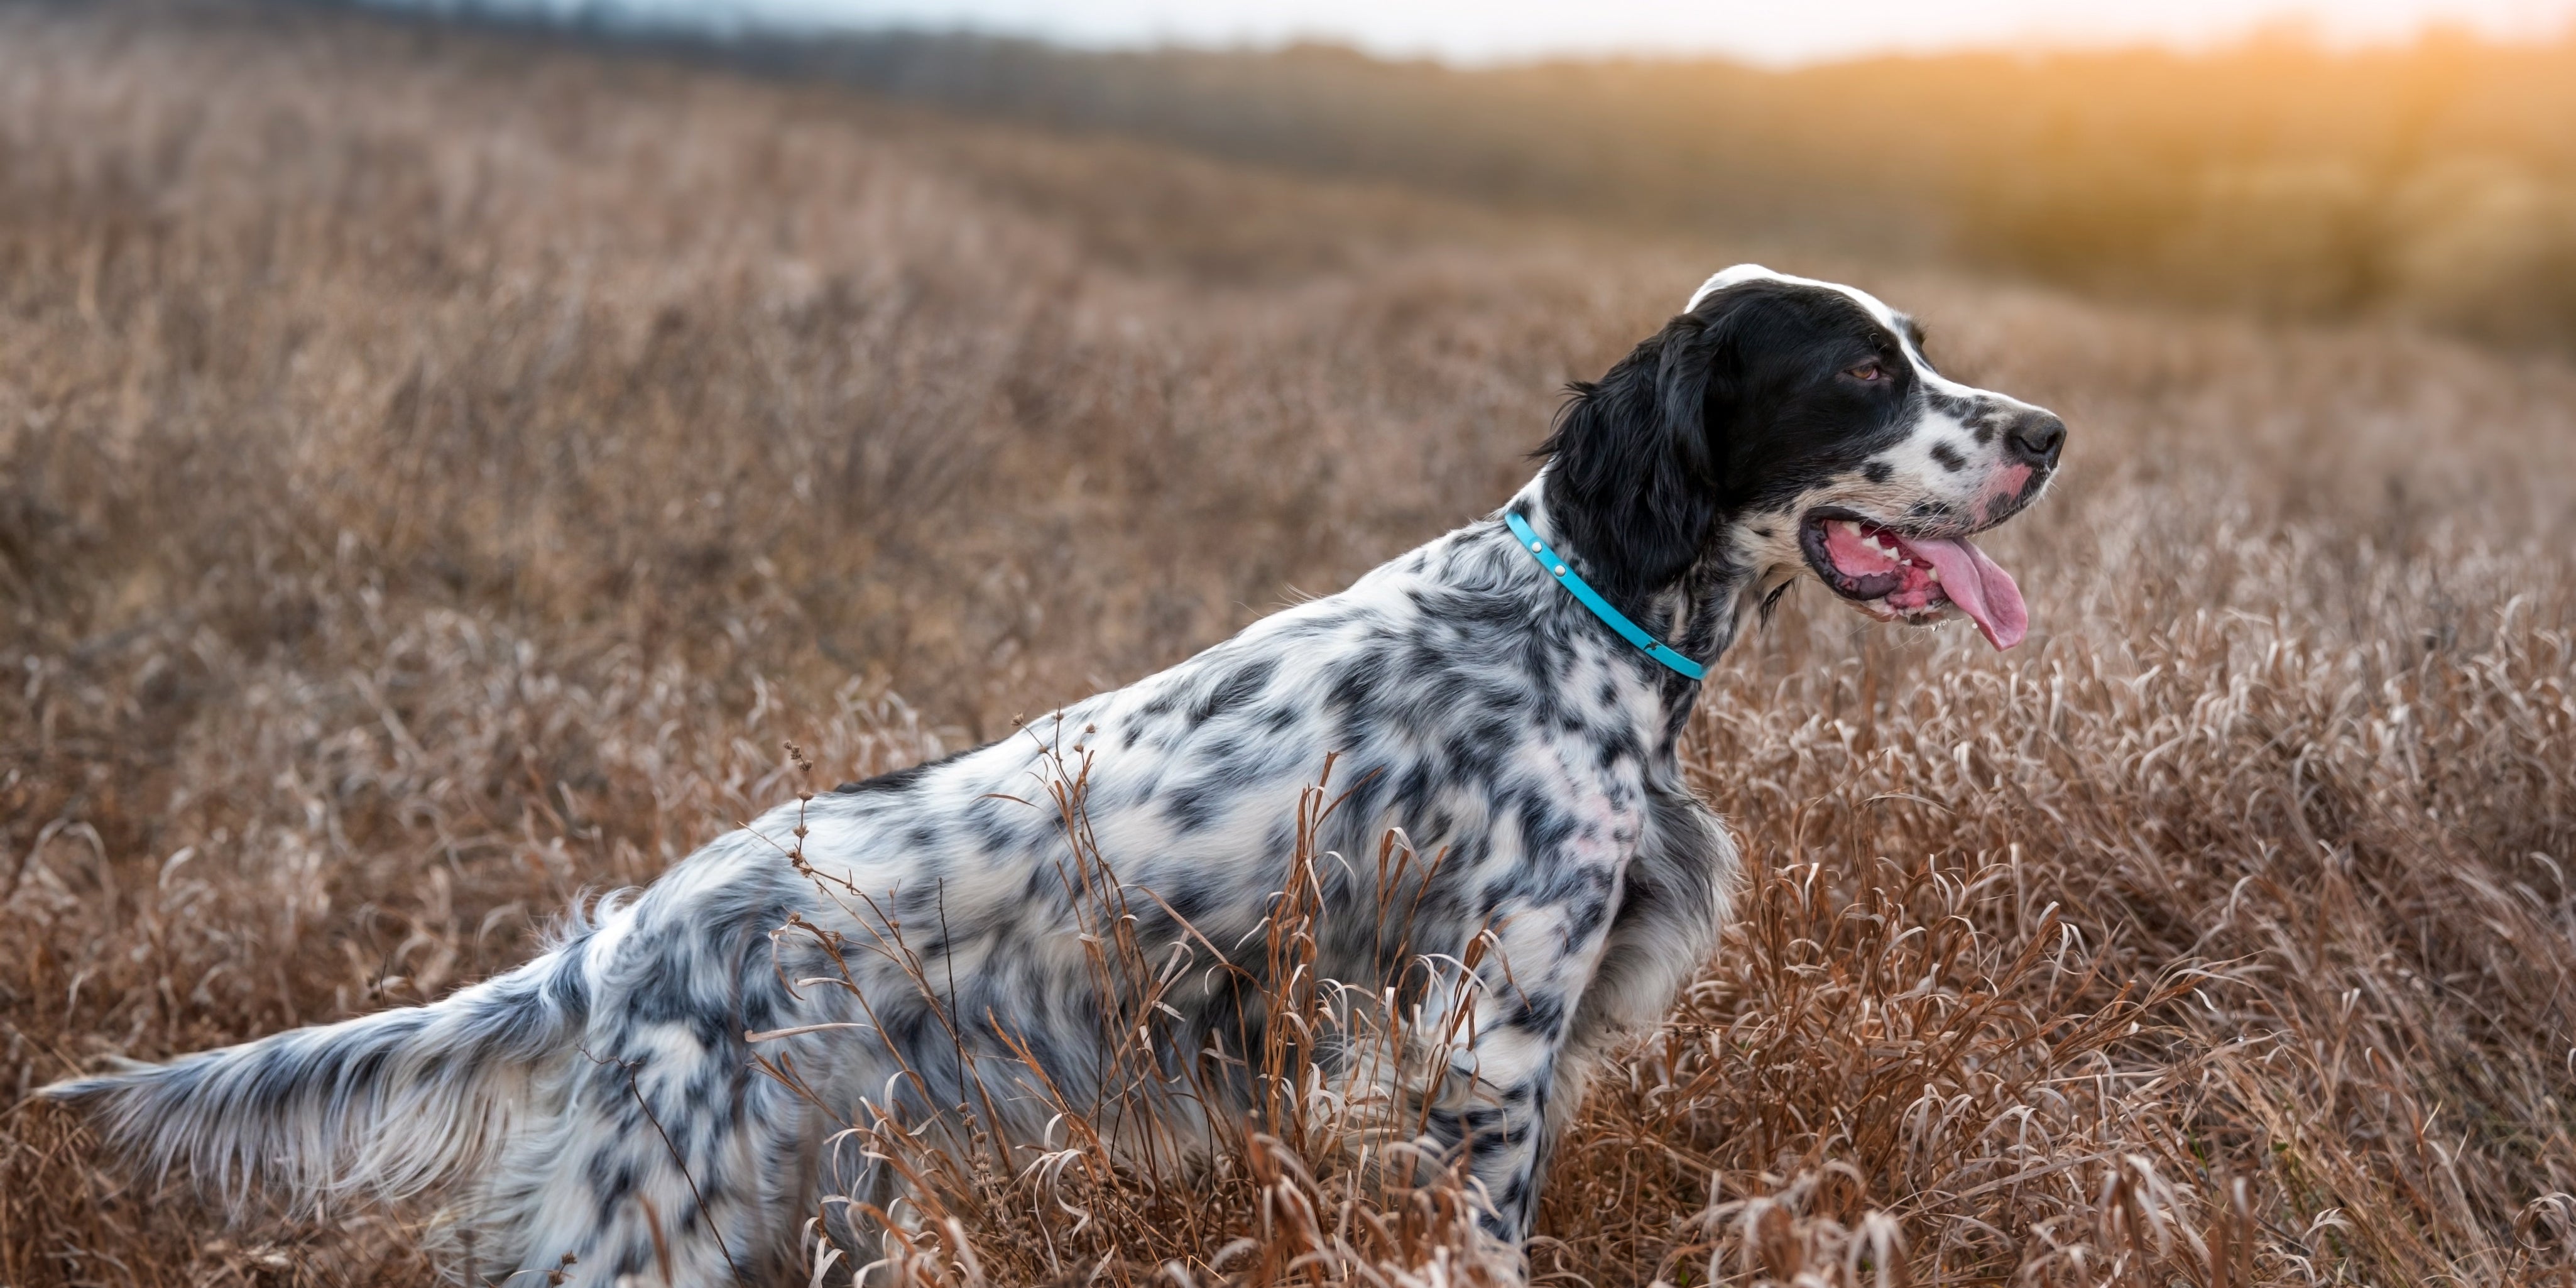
(1980, 587)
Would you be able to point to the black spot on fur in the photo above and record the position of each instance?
(1193, 806)
(1236, 690)
(900, 779)
(1980, 416)
(1949, 457)
(1539, 1013)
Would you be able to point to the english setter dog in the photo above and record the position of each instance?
(1508, 697)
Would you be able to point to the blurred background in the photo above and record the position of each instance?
(2383, 158)
(447, 448)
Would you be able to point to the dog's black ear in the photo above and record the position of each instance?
(1633, 464)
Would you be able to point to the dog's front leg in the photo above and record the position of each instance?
(1530, 966)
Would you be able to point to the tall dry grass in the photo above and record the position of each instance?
(435, 476)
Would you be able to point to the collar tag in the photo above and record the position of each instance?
(1591, 599)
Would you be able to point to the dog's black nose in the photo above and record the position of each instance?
(2035, 437)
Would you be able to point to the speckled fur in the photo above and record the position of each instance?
(568, 1108)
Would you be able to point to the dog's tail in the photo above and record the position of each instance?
(384, 1106)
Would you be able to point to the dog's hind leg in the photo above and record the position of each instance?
(670, 1154)
(672, 1161)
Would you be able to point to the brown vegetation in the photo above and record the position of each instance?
(436, 476)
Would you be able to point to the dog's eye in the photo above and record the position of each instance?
(1867, 371)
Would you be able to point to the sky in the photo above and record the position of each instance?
(1763, 31)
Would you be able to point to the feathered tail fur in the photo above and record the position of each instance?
(385, 1106)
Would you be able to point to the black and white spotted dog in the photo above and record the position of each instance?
(603, 1099)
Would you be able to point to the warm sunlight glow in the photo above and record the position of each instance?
(1490, 30)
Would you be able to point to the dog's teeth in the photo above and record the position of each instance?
(1847, 528)
(1931, 573)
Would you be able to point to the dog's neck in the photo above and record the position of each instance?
(1699, 613)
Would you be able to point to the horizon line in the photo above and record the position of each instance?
(734, 20)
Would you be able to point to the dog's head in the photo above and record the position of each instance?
(1780, 424)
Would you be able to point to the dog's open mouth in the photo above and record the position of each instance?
(1900, 576)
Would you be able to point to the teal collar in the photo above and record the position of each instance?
(1618, 621)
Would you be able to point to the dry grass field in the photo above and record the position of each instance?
(437, 475)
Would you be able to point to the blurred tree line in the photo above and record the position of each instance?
(2435, 181)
